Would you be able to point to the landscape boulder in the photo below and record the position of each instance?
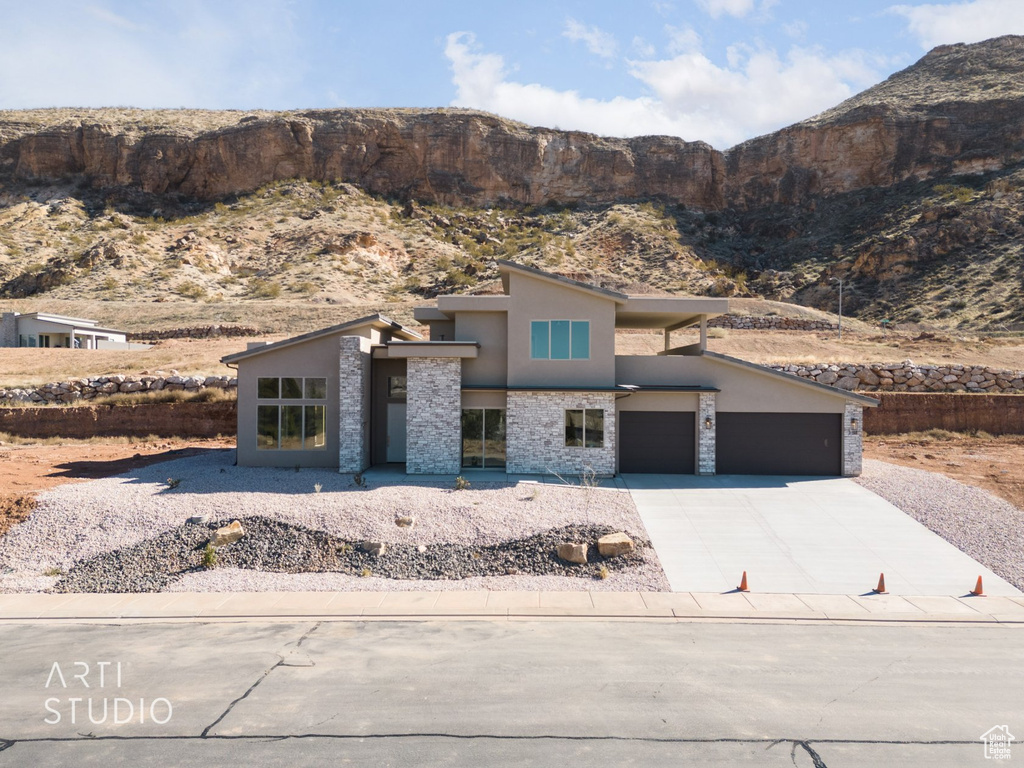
(227, 534)
(615, 544)
(572, 552)
(405, 521)
(375, 548)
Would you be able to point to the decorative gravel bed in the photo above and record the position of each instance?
(129, 533)
(273, 546)
(983, 526)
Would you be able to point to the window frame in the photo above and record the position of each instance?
(582, 441)
(573, 327)
(306, 411)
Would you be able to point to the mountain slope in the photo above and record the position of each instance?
(912, 192)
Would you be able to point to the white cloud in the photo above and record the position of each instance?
(598, 42)
(796, 29)
(682, 40)
(737, 8)
(689, 95)
(964, 22)
(642, 48)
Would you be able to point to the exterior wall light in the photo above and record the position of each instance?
(853, 423)
(707, 422)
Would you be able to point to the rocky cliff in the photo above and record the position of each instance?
(911, 192)
(958, 110)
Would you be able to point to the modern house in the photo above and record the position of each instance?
(40, 329)
(529, 382)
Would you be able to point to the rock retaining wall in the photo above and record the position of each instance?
(161, 419)
(770, 323)
(75, 390)
(908, 377)
(919, 412)
(196, 332)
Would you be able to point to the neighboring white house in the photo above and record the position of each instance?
(40, 329)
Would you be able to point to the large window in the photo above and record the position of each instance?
(294, 426)
(483, 437)
(560, 340)
(584, 428)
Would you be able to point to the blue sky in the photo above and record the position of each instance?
(715, 70)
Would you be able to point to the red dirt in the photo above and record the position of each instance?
(993, 463)
(25, 469)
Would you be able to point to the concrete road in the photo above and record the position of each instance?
(796, 534)
(509, 693)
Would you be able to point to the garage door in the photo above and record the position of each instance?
(656, 442)
(779, 443)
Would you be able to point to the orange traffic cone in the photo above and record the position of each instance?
(743, 583)
(880, 589)
(978, 591)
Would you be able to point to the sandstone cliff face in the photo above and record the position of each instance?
(448, 157)
(958, 110)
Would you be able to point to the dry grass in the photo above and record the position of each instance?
(6, 438)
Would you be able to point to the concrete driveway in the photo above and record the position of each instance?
(796, 534)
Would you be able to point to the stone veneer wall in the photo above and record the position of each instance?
(535, 431)
(434, 416)
(706, 457)
(8, 329)
(853, 441)
(353, 405)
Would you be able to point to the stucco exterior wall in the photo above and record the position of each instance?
(434, 416)
(741, 390)
(535, 299)
(490, 329)
(535, 430)
(315, 358)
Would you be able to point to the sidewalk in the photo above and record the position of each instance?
(505, 606)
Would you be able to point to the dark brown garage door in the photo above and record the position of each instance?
(779, 444)
(656, 442)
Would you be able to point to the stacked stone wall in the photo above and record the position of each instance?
(535, 429)
(75, 390)
(909, 377)
(853, 441)
(769, 323)
(353, 407)
(434, 416)
(706, 437)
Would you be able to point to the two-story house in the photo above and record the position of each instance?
(529, 382)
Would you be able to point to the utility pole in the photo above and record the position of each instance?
(840, 281)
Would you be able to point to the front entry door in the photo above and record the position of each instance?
(396, 433)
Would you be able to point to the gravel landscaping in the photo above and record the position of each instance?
(979, 524)
(130, 533)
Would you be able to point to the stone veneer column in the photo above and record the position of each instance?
(353, 403)
(535, 433)
(706, 459)
(853, 441)
(434, 416)
(9, 329)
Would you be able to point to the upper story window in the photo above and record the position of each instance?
(560, 340)
(291, 388)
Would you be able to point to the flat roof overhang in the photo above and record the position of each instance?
(667, 313)
(406, 349)
(622, 388)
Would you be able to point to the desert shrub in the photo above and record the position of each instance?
(264, 289)
(191, 290)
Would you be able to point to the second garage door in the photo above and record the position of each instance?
(658, 442)
(779, 443)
